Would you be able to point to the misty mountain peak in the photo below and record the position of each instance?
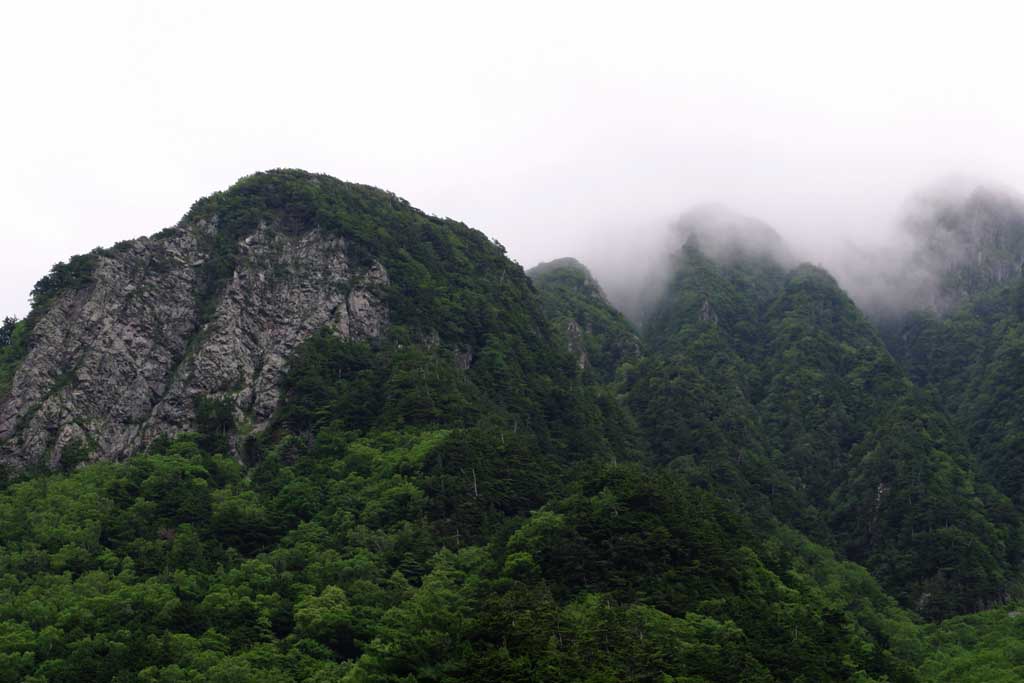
(568, 268)
(727, 236)
(966, 242)
(975, 217)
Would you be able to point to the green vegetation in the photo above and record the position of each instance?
(74, 274)
(587, 324)
(971, 362)
(771, 389)
(514, 485)
(987, 647)
(375, 557)
(404, 519)
(13, 347)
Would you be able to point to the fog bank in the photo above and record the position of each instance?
(575, 129)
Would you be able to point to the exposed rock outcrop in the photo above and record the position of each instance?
(577, 344)
(123, 359)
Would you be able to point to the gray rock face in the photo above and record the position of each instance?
(121, 361)
(577, 346)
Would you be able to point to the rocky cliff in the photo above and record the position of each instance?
(196, 325)
(129, 355)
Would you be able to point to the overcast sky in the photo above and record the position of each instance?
(557, 128)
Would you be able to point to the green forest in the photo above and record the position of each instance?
(758, 482)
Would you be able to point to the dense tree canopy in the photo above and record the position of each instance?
(513, 484)
(789, 401)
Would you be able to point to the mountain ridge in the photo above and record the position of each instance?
(214, 306)
(465, 471)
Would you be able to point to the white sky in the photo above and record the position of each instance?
(557, 128)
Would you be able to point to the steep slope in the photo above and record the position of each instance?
(971, 359)
(969, 353)
(768, 386)
(448, 499)
(597, 335)
(121, 356)
(124, 344)
(694, 394)
(965, 246)
(901, 489)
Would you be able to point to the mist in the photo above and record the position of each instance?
(578, 130)
(951, 239)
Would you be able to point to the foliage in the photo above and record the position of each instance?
(75, 274)
(584, 320)
(458, 501)
(335, 564)
(987, 647)
(7, 329)
(13, 347)
(971, 361)
(763, 382)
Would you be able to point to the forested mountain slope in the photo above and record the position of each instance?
(128, 343)
(970, 356)
(767, 385)
(446, 496)
(595, 333)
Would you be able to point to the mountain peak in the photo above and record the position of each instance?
(567, 262)
(125, 343)
(727, 236)
(595, 333)
(967, 242)
(294, 200)
(566, 270)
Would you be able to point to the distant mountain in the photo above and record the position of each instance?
(967, 350)
(965, 245)
(955, 243)
(767, 385)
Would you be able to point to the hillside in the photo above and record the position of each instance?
(969, 354)
(311, 433)
(768, 386)
(596, 334)
(129, 343)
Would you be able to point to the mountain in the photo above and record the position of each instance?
(968, 353)
(145, 339)
(595, 333)
(965, 246)
(311, 433)
(730, 237)
(766, 385)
